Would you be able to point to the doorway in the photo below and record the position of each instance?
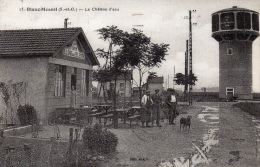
(230, 93)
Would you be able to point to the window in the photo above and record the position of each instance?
(227, 21)
(243, 20)
(229, 51)
(255, 21)
(121, 86)
(59, 80)
(230, 91)
(74, 79)
(215, 22)
(112, 86)
(84, 82)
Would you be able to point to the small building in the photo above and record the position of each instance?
(136, 90)
(123, 86)
(155, 83)
(55, 64)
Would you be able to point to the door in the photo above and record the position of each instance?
(230, 94)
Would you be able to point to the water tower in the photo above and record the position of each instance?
(235, 29)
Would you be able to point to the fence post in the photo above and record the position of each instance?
(1, 136)
(28, 153)
(51, 151)
(76, 145)
(70, 159)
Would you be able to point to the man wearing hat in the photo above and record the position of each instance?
(171, 101)
(146, 102)
(157, 101)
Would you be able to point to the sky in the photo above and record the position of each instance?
(162, 20)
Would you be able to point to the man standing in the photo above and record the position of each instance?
(146, 102)
(171, 101)
(157, 100)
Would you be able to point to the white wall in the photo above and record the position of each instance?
(32, 71)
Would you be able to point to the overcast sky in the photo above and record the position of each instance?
(162, 20)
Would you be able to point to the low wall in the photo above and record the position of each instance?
(18, 131)
(252, 108)
(256, 96)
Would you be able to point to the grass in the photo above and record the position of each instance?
(250, 107)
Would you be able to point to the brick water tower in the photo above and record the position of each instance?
(235, 29)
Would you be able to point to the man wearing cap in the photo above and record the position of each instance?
(146, 103)
(171, 101)
(157, 101)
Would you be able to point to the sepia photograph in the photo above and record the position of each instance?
(133, 83)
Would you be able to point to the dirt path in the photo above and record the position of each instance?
(221, 135)
(237, 139)
(150, 146)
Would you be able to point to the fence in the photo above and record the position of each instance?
(18, 151)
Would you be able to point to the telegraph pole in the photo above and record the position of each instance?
(190, 61)
(186, 67)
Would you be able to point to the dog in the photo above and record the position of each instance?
(185, 123)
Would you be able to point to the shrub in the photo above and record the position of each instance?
(27, 114)
(99, 140)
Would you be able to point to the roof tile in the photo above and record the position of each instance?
(34, 40)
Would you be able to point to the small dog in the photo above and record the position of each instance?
(185, 123)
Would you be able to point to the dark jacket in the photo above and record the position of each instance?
(157, 99)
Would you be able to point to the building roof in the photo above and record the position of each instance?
(42, 42)
(156, 80)
(235, 8)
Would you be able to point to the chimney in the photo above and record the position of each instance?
(66, 23)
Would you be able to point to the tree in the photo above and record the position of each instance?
(102, 75)
(114, 65)
(181, 79)
(138, 51)
(151, 75)
(114, 37)
(128, 50)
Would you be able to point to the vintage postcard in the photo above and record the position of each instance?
(137, 83)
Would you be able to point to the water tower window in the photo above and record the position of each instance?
(229, 51)
(227, 21)
(255, 22)
(243, 20)
(215, 22)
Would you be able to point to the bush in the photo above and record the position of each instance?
(99, 140)
(27, 114)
